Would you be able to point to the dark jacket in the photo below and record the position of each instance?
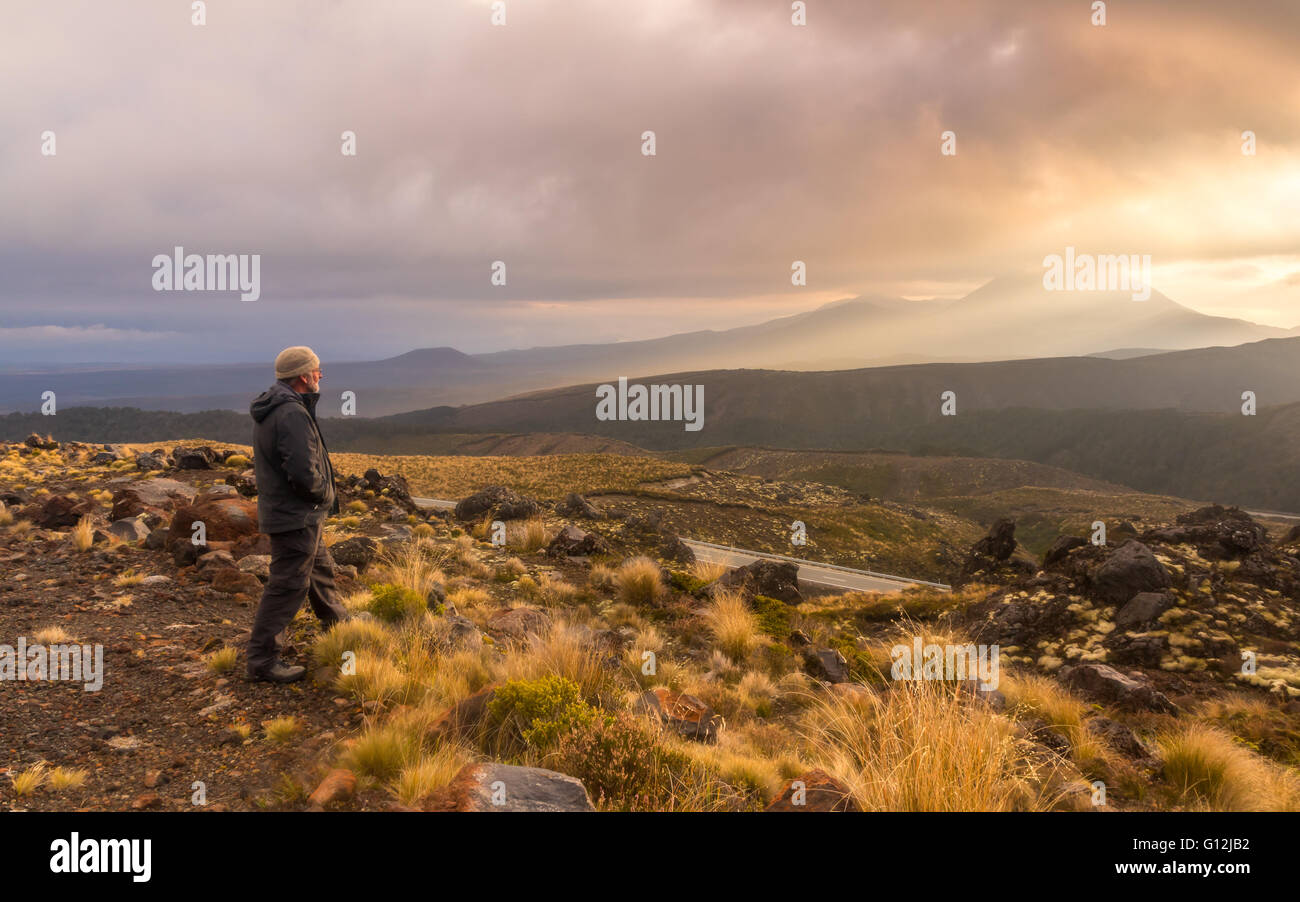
(295, 480)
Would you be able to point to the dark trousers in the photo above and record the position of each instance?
(301, 568)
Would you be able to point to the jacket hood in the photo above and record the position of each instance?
(273, 397)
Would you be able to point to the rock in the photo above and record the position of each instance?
(157, 539)
(1119, 737)
(814, 791)
(677, 551)
(156, 580)
(1108, 685)
(103, 458)
(505, 787)
(129, 530)
(520, 623)
(257, 564)
(462, 633)
(574, 542)
(436, 595)
(1216, 532)
(200, 458)
(233, 582)
(210, 562)
(147, 800)
(775, 579)
(1000, 543)
(827, 664)
(61, 512)
(498, 502)
(46, 444)
(358, 551)
(158, 496)
(339, 785)
(224, 519)
(393, 487)
(1061, 548)
(574, 505)
(799, 638)
(462, 718)
(995, 554)
(149, 462)
(1143, 608)
(1131, 569)
(244, 483)
(685, 714)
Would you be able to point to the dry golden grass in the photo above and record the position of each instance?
(223, 659)
(128, 578)
(30, 780)
(62, 779)
(922, 746)
(1046, 699)
(733, 625)
(281, 729)
(529, 536)
(83, 534)
(6, 515)
(429, 771)
(639, 581)
(706, 571)
(51, 635)
(1207, 769)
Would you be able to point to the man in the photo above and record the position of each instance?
(295, 493)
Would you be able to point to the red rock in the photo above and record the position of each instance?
(814, 791)
(339, 785)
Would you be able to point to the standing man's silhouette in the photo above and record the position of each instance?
(295, 493)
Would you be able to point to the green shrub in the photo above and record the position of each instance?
(238, 461)
(773, 616)
(536, 712)
(394, 603)
(620, 761)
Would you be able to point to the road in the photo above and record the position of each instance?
(814, 574)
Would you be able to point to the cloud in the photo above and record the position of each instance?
(522, 144)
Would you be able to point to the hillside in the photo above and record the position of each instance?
(472, 662)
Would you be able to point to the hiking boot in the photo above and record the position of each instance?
(279, 672)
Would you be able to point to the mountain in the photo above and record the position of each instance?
(1009, 318)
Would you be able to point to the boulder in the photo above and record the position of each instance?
(827, 664)
(574, 505)
(1143, 607)
(234, 582)
(775, 579)
(682, 713)
(574, 542)
(1216, 531)
(1061, 549)
(257, 564)
(156, 496)
(1119, 737)
(200, 458)
(1107, 685)
(677, 551)
(224, 519)
(358, 551)
(132, 529)
(244, 483)
(148, 462)
(61, 511)
(462, 718)
(814, 791)
(339, 785)
(995, 554)
(1130, 569)
(46, 444)
(506, 787)
(498, 502)
(520, 623)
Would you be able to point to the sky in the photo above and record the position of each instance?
(523, 143)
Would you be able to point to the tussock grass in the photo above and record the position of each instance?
(62, 779)
(128, 578)
(51, 635)
(30, 780)
(223, 659)
(733, 625)
(83, 534)
(429, 771)
(530, 536)
(281, 729)
(639, 581)
(706, 571)
(563, 651)
(921, 746)
(383, 750)
(6, 515)
(1207, 769)
(1046, 699)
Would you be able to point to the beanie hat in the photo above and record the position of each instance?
(296, 361)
